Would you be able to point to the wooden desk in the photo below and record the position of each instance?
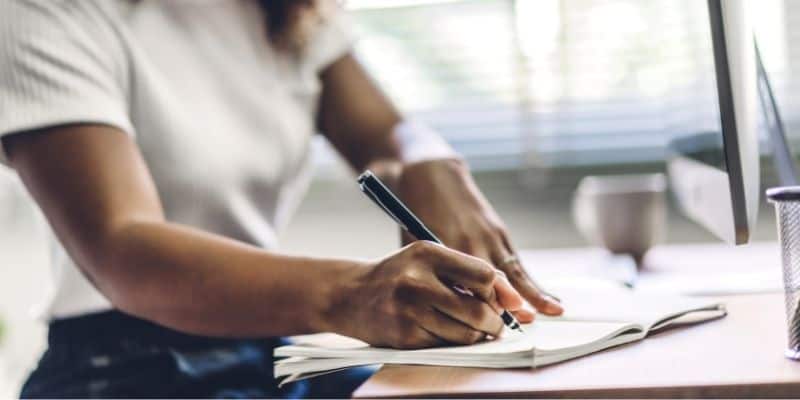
(738, 356)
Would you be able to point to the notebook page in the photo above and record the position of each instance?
(332, 345)
(556, 335)
(553, 340)
(545, 335)
(625, 305)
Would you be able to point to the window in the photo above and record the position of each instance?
(548, 83)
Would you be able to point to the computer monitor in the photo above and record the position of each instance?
(715, 177)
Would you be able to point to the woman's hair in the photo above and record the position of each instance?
(290, 23)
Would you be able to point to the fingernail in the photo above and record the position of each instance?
(553, 299)
(554, 306)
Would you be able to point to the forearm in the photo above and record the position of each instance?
(367, 129)
(205, 284)
(416, 143)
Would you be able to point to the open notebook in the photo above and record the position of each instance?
(593, 321)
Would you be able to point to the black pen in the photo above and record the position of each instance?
(379, 193)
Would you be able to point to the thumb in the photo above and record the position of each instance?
(507, 297)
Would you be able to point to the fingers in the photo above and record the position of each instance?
(482, 279)
(416, 337)
(439, 310)
(468, 311)
(478, 250)
(524, 316)
(523, 283)
(507, 296)
(531, 292)
(457, 268)
(450, 330)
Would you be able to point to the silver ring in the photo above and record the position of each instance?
(510, 259)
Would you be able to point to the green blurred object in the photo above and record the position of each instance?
(2, 330)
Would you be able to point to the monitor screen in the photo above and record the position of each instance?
(715, 175)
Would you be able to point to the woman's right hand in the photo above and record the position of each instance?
(406, 300)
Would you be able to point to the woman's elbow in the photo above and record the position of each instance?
(118, 267)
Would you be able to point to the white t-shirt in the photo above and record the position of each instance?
(223, 120)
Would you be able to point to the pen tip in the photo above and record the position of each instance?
(510, 321)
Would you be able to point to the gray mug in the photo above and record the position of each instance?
(626, 214)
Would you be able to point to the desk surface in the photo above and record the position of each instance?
(738, 356)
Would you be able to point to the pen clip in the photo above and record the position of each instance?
(377, 201)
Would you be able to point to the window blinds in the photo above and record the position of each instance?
(547, 83)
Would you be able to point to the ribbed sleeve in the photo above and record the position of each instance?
(60, 63)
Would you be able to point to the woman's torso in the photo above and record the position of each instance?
(223, 119)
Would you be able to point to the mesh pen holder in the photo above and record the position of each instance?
(787, 212)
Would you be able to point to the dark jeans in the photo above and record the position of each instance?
(114, 355)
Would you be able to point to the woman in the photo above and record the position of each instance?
(167, 142)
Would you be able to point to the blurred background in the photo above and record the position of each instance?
(534, 93)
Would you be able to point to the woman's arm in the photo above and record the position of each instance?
(359, 121)
(96, 192)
